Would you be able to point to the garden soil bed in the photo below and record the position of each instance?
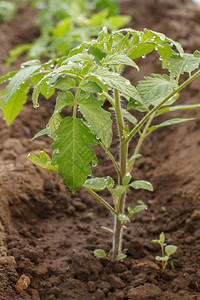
(47, 234)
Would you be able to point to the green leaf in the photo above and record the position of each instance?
(127, 115)
(133, 157)
(196, 53)
(15, 104)
(74, 155)
(17, 80)
(97, 53)
(155, 88)
(40, 133)
(178, 107)
(110, 182)
(43, 161)
(117, 82)
(41, 86)
(63, 100)
(65, 84)
(164, 258)
(91, 87)
(168, 123)
(126, 179)
(142, 50)
(162, 238)
(97, 117)
(117, 59)
(33, 62)
(53, 124)
(7, 76)
(119, 190)
(117, 21)
(141, 184)
(16, 52)
(97, 183)
(79, 57)
(121, 256)
(100, 253)
(179, 64)
(170, 249)
(155, 241)
(123, 218)
(137, 209)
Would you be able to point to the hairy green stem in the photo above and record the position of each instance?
(148, 115)
(123, 167)
(102, 201)
(141, 139)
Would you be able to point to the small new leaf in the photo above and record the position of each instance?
(121, 256)
(123, 218)
(141, 184)
(160, 258)
(126, 179)
(97, 183)
(162, 238)
(119, 190)
(170, 249)
(43, 161)
(100, 253)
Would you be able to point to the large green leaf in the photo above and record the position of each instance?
(73, 154)
(154, 89)
(17, 80)
(97, 117)
(179, 64)
(168, 123)
(118, 82)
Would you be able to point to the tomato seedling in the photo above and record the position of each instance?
(167, 250)
(85, 79)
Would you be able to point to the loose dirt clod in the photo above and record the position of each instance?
(22, 283)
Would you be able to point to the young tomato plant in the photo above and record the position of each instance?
(167, 250)
(85, 79)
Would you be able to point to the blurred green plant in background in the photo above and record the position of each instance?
(64, 24)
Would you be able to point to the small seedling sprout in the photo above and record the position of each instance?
(167, 251)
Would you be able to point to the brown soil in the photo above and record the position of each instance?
(46, 233)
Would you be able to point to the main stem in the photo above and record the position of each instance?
(117, 238)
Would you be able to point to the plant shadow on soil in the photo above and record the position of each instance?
(47, 234)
